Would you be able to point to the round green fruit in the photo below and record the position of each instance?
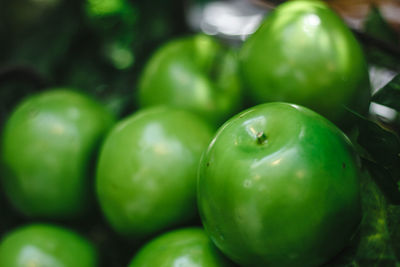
(279, 186)
(48, 145)
(189, 247)
(195, 73)
(147, 171)
(46, 246)
(303, 53)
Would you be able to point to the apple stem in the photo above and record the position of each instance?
(261, 138)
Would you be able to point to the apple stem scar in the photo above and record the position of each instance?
(261, 138)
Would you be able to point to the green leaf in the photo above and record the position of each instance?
(385, 180)
(376, 26)
(380, 150)
(389, 95)
(374, 247)
(382, 145)
(375, 242)
(380, 41)
(393, 219)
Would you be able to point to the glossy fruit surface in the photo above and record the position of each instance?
(48, 144)
(279, 186)
(189, 247)
(146, 175)
(46, 246)
(303, 53)
(196, 73)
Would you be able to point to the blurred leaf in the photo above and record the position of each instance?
(386, 181)
(374, 247)
(374, 243)
(376, 26)
(383, 58)
(393, 221)
(381, 154)
(380, 41)
(381, 144)
(389, 95)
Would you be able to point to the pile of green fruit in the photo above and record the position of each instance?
(235, 157)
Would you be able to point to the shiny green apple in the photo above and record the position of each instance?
(303, 53)
(147, 171)
(279, 185)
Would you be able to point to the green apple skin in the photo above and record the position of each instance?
(279, 185)
(189, 247)
(46, 245)
(48, 144)
(195, 73)
(303, 53)
(147, 171)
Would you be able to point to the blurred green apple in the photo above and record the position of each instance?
(49, 144)
(188, 247)
(46, 245)
(147, 171)
(196, 73)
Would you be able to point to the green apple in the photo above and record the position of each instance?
(147, 171)
(303, 53)
(48, 145)
(46, 245)
(196, 73)
(279, 185)
(188, 247)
